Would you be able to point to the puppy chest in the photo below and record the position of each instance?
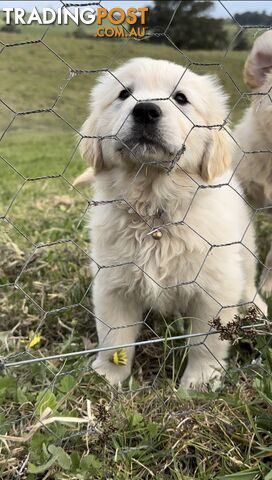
(156, 259)
(167, 256)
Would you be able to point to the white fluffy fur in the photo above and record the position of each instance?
(189, 271)
(253, 134)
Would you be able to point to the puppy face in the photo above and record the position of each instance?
(155, 112)
(258, 76)
(262, 105)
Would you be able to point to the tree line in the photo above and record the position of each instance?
(192, 27)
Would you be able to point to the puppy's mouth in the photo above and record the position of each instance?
(147, 147)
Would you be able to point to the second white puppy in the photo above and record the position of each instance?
(166, 226)
(253, 135)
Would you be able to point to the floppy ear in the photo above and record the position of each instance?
(217, 156)
(90, 150)
(259, 61)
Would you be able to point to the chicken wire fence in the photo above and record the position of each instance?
(39, 276)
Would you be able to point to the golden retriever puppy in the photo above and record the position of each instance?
(166, 227)
(253, 134)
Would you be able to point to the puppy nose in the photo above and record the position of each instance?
(146, 112)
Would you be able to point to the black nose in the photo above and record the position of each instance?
(146, 112)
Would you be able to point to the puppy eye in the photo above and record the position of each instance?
(180, 98)
(124, 94)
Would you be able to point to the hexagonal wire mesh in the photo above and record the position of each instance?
(46, 280)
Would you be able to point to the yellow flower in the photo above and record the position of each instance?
(34, 341)
(120, 357)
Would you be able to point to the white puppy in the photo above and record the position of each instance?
(166, 226)
(253, 134)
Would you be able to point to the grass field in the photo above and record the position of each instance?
(57, 419)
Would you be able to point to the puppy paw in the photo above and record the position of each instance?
(260, 303)
(114, 374)
(195, 378)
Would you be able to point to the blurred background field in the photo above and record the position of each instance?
(152, 430)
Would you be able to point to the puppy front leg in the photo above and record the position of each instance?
(266, 277)
(118, 320)
(207, 354)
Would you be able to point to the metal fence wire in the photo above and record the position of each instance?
(47, 321)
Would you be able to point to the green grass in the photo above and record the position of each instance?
(151, 428)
